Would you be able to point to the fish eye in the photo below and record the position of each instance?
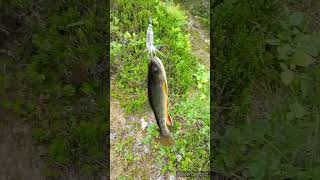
(155, 70)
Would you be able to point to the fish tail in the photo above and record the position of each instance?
(167, 140)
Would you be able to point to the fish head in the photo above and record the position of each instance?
(157, 69)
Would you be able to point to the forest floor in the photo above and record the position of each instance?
(128, 131)
(19, 157)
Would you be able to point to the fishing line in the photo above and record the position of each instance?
(149, 13)
(150, 46)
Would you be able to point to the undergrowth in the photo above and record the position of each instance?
(266, 44)
(57, 76)
(201, 9)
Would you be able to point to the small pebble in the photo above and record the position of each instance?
(146, 149)
(171, 177)
(144, 124)
(113, 136)
(179, 157)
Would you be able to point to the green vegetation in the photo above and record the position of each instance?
(55, 78)
(267, 91)
(188, 80)
(200, 9)
(130, 61)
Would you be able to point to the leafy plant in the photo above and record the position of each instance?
(130, 63)
(57, 84)
(272, 141)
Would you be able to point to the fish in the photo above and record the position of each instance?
(158, 99)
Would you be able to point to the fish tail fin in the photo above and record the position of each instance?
(169, 120)
(167, 140)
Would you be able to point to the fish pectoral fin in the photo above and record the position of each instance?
(169, 120)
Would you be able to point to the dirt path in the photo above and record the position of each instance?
(200, 40)
(19, 158)
(129, 156)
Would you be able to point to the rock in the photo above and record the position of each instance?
(146, 149)
(113, 136)
(171, 177)
(144, 124)
(179, 157)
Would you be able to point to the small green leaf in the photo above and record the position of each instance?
(308, 43)
(284, 51)
(273, 41)
(283, 66)
(87, 89)
(296, 18)
(285, 35)
(162, 152)
(287, 76)
(292, 66)
(301, 58)
(258, 166)
(310, 48)
(127, 35)
(79, 23)
(69, 90)
(316, 38)
(305, 87)
(290, 115)
(298, 110)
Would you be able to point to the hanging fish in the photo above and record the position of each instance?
(158, 98)
(158, 90)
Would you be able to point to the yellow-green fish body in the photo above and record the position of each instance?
(158, 98)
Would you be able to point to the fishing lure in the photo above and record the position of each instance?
(151, 48)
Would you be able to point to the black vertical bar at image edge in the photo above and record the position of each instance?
(211, 89)
(108, 87)
(213, 111)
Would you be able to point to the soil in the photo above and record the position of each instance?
(20, 158)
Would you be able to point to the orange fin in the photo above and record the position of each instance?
(168, 118)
